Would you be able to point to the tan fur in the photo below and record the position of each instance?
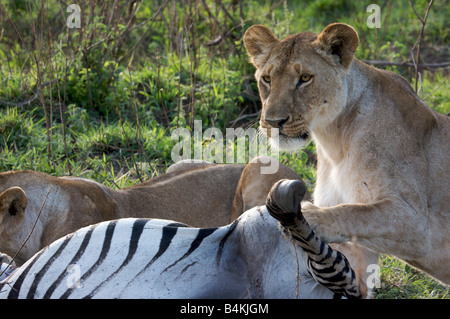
(253, 186)
(383, 155)
(201, 197)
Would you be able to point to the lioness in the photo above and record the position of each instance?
(383, 155)
(201, 197)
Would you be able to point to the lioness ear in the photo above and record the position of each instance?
(259, 41)
(339, 39)
(13, 202)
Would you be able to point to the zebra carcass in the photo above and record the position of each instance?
(153, 258)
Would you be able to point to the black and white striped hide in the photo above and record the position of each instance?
(151, 258)
(327, 266)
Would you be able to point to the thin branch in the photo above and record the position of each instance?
(209, 12)
(434, 90)
(139, 131)
(417, 15)
(27, 102)
(227, 14)
(419, 40)
(243, 117)
(404, 63)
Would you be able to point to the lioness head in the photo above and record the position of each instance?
(300, 79)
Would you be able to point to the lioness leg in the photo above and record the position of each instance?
(384, 226)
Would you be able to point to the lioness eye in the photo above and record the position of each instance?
(266, 78)
(306, 77)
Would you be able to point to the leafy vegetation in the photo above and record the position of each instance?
(101, 101)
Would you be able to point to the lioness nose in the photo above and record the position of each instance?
(278, 123)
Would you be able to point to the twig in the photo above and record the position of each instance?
(424, 21)
(34, 97)
(412, 6)
(88, 82)
(297, 294)
(434, 90)
(404, 63)
(139, 131)
(243, 117)
(144, 36)
(227, 14)
(209, 12)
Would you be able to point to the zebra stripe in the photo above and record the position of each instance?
(328, 267)
(15, 289)
(138, 227)
(77, 256)
(142, 258)
(103, 253)
(224, 240)
(39, 275)
(202, 234)
(168, 233)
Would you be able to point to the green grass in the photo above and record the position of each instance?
(401, 281)
(117, 88)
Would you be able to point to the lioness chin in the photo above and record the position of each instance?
(383, 155)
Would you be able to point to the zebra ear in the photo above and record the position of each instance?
(12, 203)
